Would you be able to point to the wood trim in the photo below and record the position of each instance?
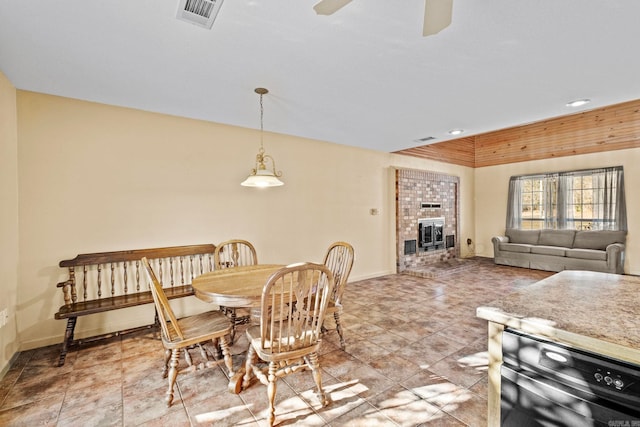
(615, 127)
(137, 254)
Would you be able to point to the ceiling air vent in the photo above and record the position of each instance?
(199, 12)
(425, 139)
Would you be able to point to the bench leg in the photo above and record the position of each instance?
(68, 339)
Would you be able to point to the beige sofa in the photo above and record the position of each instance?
(557, 250)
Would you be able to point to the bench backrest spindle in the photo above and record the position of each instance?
(113, 280)
(137, 276)
(99, 281)
(84, 282)
(126, 287)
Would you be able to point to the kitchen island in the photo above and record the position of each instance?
(596, 312)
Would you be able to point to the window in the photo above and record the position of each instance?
(538, 202)
(580, 200)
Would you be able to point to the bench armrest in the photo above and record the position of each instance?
(66, 290)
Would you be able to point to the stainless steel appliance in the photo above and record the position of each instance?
(549, 384)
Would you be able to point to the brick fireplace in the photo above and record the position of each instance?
(424, 197)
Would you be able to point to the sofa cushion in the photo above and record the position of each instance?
(515, 247)
(587, 254)
(598, 239)
(557, 238)
(529, 237)
(548, 250)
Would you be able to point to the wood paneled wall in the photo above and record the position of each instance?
(615, 127)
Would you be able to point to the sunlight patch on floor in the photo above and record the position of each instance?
(214, 416)
(479, 361)
(442, 393)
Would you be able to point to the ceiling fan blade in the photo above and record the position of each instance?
(328, 7)
(437, 16)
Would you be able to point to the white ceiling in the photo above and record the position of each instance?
(363, 76)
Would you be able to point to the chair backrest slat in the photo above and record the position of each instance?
(235, 253)
(168, 319)
(293, 304)
(339, 259)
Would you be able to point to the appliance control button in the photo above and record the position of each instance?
(618, 383)
(608, 380)
(598, 376)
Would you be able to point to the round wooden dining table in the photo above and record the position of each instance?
(235, 287)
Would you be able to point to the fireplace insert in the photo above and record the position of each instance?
(430, 233)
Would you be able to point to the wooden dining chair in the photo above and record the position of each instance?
(229, 254)
(180, 334)
(293, 304)
(339, 260)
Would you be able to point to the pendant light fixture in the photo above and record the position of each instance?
(261, 176)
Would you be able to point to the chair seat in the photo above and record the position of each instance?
(253, 334)
(198, 328)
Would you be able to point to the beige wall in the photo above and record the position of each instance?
(8, 220)
(98, 178)
(92, 177)
(491, 187)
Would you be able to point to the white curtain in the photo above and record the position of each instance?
(514, 203)
(609, 198)
(549, 198)
(565, 201)
(609, 204)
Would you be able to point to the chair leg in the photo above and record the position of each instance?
(167, 357)
(248, 367)
(203, 353)
(187, 358)
(173, 374)
(336, 316)
(271, 392)
(216, 348)
(233, 326)
(231, 314)
(313, 363)
(226, 354)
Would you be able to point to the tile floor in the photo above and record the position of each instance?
(416, 355)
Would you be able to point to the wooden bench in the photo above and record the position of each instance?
(108, 281)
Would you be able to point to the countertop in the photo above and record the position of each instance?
(599, 312)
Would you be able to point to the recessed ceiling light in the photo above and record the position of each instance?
(578, 102)
(456, 131)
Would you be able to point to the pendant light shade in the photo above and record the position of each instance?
(261, 175)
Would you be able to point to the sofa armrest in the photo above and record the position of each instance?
(496, 240)
(615, 257)
(499, 239)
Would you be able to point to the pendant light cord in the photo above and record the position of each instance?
(261, 125)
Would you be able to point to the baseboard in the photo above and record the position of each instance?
(8, 366)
